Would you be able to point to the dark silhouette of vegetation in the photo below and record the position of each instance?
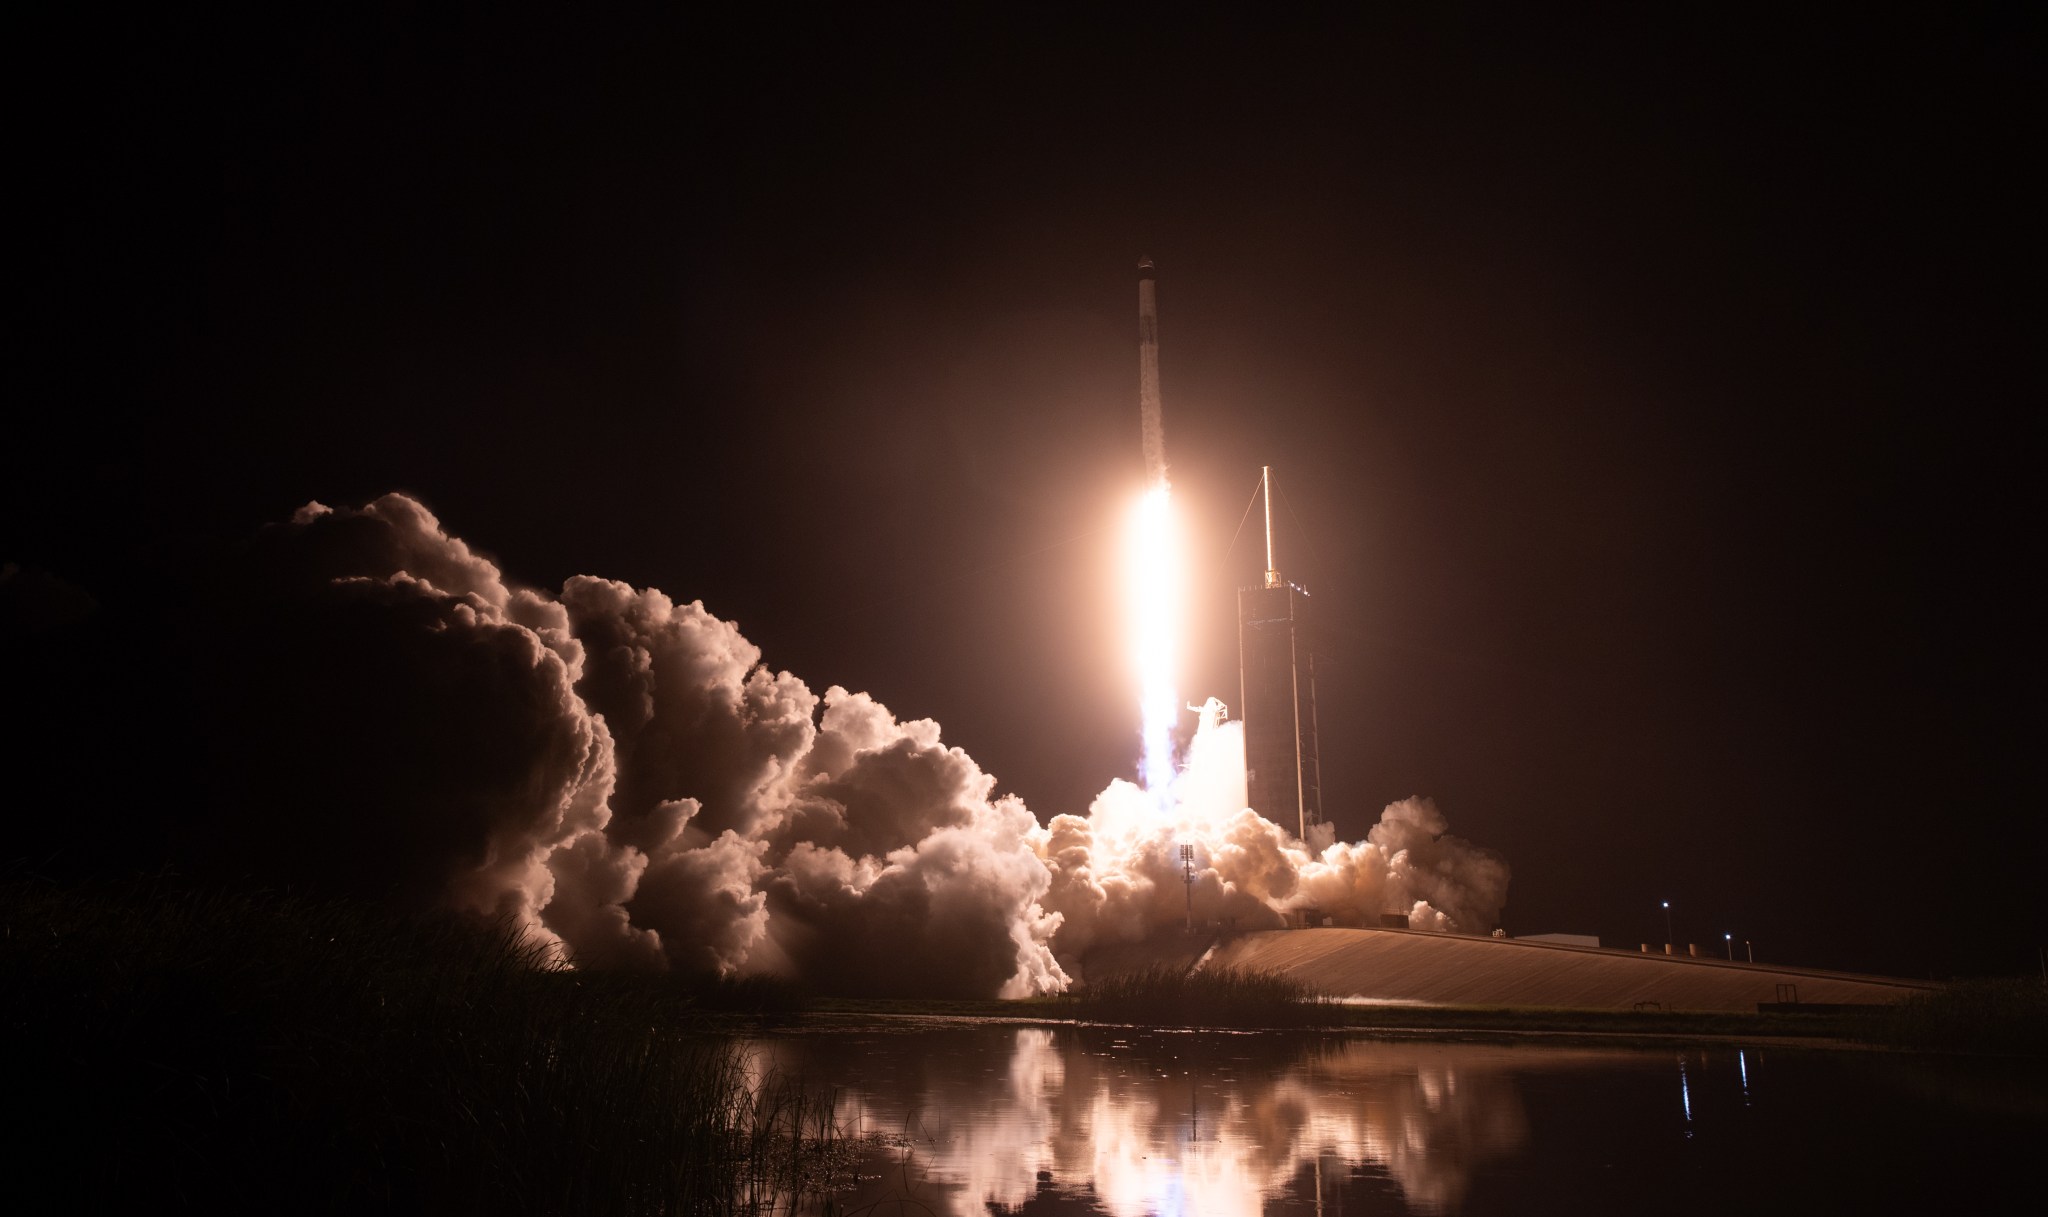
(2002, 1014)
(1169, 995)
(234, 1051)
(767, 997)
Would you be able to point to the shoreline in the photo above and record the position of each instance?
(1828, 1032)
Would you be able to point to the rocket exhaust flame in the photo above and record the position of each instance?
(1154, 596)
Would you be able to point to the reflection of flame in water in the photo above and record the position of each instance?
(1152, 1133)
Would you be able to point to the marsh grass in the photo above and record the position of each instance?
(1170, 995)
(2007, 1015)
(243, 1051)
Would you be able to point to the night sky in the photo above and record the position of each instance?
(1647, 395)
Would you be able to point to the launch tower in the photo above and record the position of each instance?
(1283, 769)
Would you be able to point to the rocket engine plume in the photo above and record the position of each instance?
(1154, 597)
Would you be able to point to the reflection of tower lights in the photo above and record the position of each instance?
(1685, 1095)
(1742, 1063)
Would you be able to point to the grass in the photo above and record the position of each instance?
(1172, 996)
(2006, 1015)
(239, 1051)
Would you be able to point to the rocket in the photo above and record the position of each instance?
(1148, 375)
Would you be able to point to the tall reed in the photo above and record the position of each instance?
(1172, 995)
(2006, 1015)
(245, 1051)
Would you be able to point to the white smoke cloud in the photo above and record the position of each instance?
(624, 775)
(1118, 878)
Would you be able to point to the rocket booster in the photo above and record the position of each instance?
(1148, 375)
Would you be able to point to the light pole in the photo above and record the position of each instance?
(1187, 868)
(1750, 949)
(1730, 938)
(1669, 937)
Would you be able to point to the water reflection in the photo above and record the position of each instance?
(1136, 1124)
(1685, 1095)
(963, 1119)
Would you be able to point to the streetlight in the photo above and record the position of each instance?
(1187, 867)
(1749, 948)
(1669, 937)
(1730, 938)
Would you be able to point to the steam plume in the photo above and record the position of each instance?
(624, 775)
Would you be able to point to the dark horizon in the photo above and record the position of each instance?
(1648, 395)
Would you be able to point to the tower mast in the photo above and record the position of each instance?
(1276, 660)
(1266, 490)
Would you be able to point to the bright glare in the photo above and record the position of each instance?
(1154, 596)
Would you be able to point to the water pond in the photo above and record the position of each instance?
(950, 1118)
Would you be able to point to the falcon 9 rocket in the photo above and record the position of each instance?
(1148, 375)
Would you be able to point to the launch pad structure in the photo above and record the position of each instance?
(1276, 662)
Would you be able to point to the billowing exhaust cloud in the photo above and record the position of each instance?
(623, 774)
